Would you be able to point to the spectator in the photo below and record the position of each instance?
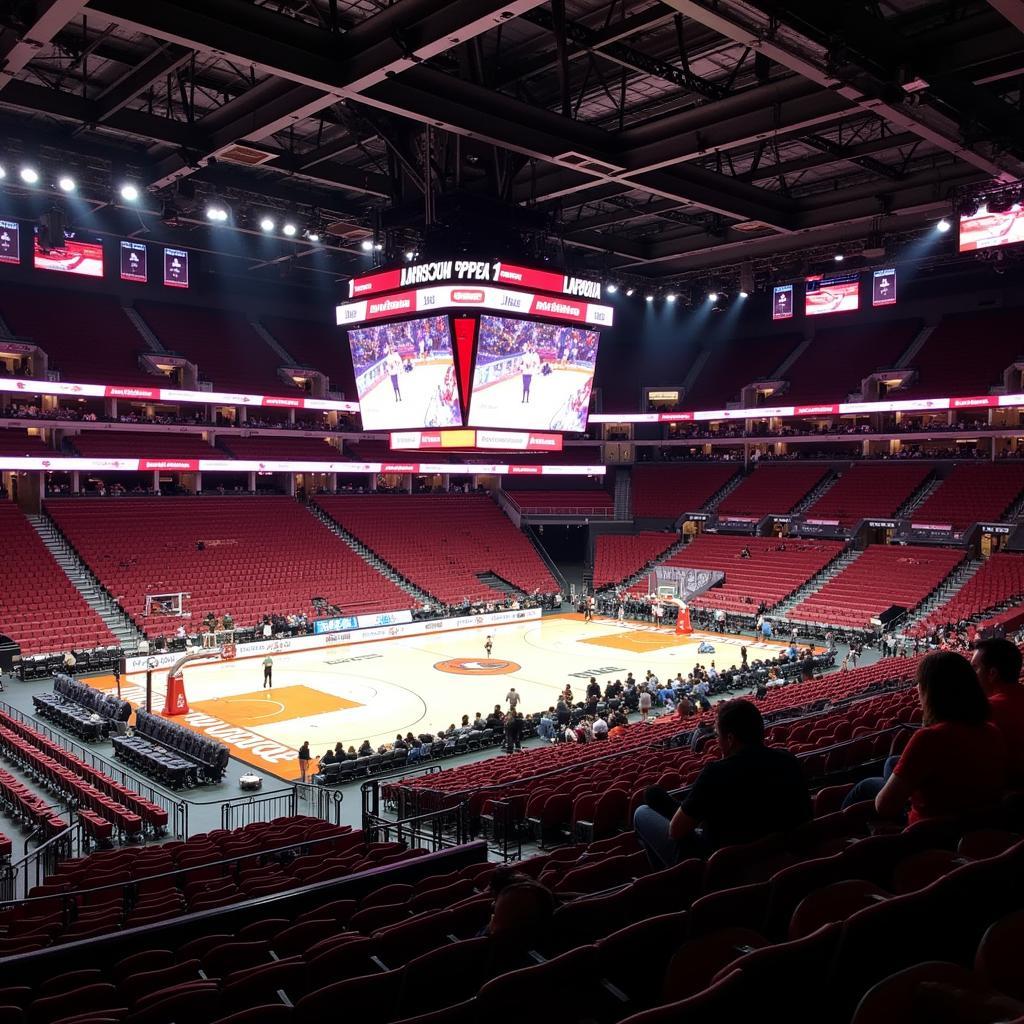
(304, 760)
(645, 703)
(956, 763)
(512, 699)
(753, 791)
(546, 725)
(998, 664)
(599, 730)
(523, 909)
(478, 723)
(366, 749)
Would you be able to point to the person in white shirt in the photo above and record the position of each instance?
(528, 366)
(393, 367)
(599, 729)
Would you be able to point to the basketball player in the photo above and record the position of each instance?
(268, 673)
(488, 644)
(528, 366)
(393, 367)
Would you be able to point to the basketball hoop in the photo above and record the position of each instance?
(167, 604)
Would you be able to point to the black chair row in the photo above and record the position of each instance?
(170, 751)
(40, 666)
(81, 709)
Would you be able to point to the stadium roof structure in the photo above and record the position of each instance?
(643, 138)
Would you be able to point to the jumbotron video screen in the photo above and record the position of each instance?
(405, 375)
(532, 376)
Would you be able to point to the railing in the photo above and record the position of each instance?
(35, 867)
(175, 806)
(433, 831)
(17, 878)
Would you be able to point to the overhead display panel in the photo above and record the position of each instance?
(987, 229)
(832, 293)
(78, 254)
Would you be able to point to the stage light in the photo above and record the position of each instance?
(612, 289)
(943, 226)
(313, 236)
(129, 193)
(378, 246)
(712, 296)
(367, 245)
(289, 229)
(217, 214)
(838, 257)
(3, 173)
(410, 255)
(744, 295)
(649, 298)
(630, 291)
(267, 224)
(671, 297)
(29, 175)
(66, 183)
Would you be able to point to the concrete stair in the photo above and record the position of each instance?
(949, 586)
(623, 495)
(716, 499)
(918, 497)
(152, 341)
(816, 492)
(495, 582)
(814, 584)
(117, 621)
(418, 596)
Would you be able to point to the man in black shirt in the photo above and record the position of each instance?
(752, 792)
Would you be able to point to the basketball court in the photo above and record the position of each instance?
(375, 690)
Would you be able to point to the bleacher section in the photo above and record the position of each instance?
(772, 572)
(999, 580)
(972, 493)
(39, 607)
(868, 490)
(666, 490)
(839, 358)
(881, 577)
(441, 542)
(306, 449)
(941, 366)
(771, 489)
(585, 502)
(129, 444)
(262, 555)
(320, 346)
(20, 443)
(733, 365)
(224, 346)
(619, 556)
(87, 337)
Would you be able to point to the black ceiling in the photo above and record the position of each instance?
(653, 139)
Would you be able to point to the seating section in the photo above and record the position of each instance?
(868, 490)
(585, 502)
(771, 489)
(880, 577)
(224, 346)
(17, 443)
(732, 366)
(617, 556)
(771, 573)
(171, 753)
(999, 580)
(941, 364)
(87, 336)
(39, 607)
(106, 808)
(131, 444)
(972, 493)
(442, 542)
(320, 346)
(839, 358)
(262, 555)
(666, 490)
(295, 449)
(81, 709)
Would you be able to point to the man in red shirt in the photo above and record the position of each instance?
(998, 664)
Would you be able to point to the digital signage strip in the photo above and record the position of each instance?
(62, 464)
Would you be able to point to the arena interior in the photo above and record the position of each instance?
(511, 509)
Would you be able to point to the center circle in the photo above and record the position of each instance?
(477, 666)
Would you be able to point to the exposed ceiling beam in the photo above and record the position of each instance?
(797, 165)
(1011, 10)
(164, 60)
(799, 53)
(17, 49)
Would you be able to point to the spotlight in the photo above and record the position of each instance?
(410, 255)
(29, 175)
(313, 236)
(267, 224)
(378, 246)
(630, 291)
(838, 257)
(943, 226)
(366, 245)
(612, 289)
(217, 214)
(649, 297)
(3, 173)
(66, 183)
(712, 296)
(671, 297)
(744, 295)
(289, 229)
(129, 193)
